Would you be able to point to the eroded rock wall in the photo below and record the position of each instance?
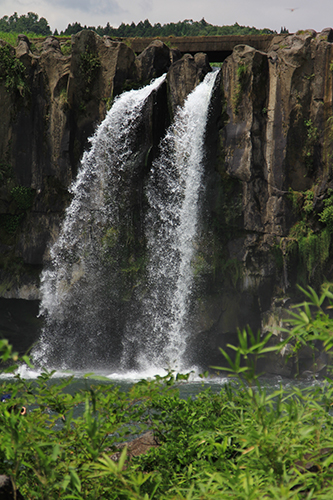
(51, 103)
(274, 179)
(267, 221)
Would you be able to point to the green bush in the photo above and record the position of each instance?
(89, 67)
(12, 72)
(243, 442)
(242, 77)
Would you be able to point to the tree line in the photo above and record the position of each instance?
(31, 23)
(182, 28)
(27, 23)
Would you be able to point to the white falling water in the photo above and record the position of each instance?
(89, 323)
(77, 289)
(159, 337)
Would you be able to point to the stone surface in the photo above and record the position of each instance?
(153, 61)
(7, 491)
(184, 75)
(265, 104)
(138, 446)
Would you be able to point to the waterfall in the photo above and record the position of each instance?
(91, 321)
(80, 289)
(159, 337)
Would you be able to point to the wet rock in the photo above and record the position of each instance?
(153, 61)
(184, 75)
(7, 491)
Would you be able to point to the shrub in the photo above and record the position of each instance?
(243, 442)
(12, 72)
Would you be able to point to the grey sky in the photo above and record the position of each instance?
(258, 13)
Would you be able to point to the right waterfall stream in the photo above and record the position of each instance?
(158, 339)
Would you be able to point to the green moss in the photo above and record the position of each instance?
(89, 69)
(326, 216)
(309, 239)
(308, 202)
(110, 239)
(10, 222)
(242, 77)
(23, 196)
(328, 142)
(12, 72)
(66, 48)
(63, 98)
(312, 138)
(6, 171)
(312, 249)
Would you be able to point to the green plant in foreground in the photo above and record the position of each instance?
(242, 442)
(311, 323)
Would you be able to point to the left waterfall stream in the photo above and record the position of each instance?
(95, 261)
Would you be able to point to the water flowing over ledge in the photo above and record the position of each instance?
(90, 322)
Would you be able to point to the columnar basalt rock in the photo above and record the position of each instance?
(269, 144)
(184, 75)
(67, 93)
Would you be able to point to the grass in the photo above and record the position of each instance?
(11, 37)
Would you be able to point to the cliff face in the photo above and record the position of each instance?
(277, 145)
(51, 100)
(267, 220)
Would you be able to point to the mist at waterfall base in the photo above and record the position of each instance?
(90, 321)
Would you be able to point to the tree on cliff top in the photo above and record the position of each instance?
(27, 23)
(188, 27)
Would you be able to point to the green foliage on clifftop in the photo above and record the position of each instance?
(188, 27)
(31, 23)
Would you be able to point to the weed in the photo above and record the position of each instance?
(312, 137)
(12, 72)
(89, 68)
(242, 76)
(23, 196)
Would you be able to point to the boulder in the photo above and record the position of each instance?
(51, 43)
(153, 61)
(184, 75)
(138, 446)
(6, 490)
(23, 46)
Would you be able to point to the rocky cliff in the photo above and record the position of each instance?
(268, 214)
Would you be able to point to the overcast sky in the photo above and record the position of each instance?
(271, 14)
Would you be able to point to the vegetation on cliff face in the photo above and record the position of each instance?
(310, 236)
(12, 72)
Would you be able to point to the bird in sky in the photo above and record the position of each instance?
(292, 9)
